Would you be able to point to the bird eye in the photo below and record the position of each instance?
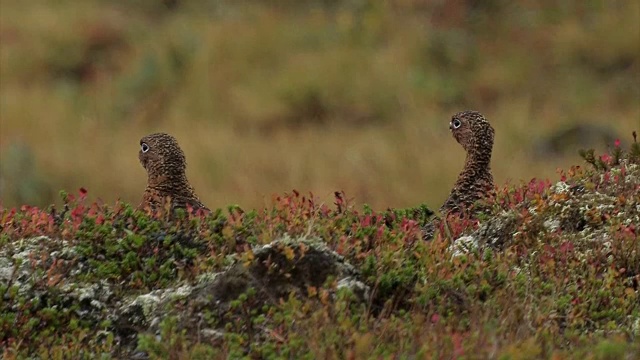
(144, 147)
(456, 123)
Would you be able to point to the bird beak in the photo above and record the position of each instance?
(451, 125)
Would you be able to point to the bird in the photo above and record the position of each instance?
(471, 130)
(165, 163)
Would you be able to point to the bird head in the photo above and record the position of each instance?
(472, 131)
(161, 155)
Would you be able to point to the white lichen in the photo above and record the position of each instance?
(560, 187)
(463, 245)
(551, 225)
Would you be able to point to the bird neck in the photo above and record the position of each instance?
(480, 161)
(476, 170)
(176, 184)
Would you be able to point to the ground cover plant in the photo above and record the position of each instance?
(550, 270)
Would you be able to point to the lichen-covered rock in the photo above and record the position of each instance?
(587, 210)
(274, 271)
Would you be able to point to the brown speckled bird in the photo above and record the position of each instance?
(475, 134)
(475, 182)
(165, 163)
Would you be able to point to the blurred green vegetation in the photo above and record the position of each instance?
(313, 95)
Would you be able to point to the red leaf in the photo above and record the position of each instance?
(435, 318)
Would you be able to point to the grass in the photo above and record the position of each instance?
(314, 96)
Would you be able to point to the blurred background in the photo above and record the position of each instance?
(270, 96)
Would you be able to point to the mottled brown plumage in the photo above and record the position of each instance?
(475, 182)
(165, 163)
(475, 134)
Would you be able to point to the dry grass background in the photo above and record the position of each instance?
(318, 96)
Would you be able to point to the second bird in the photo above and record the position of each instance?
(166, 164)
(475, 182)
